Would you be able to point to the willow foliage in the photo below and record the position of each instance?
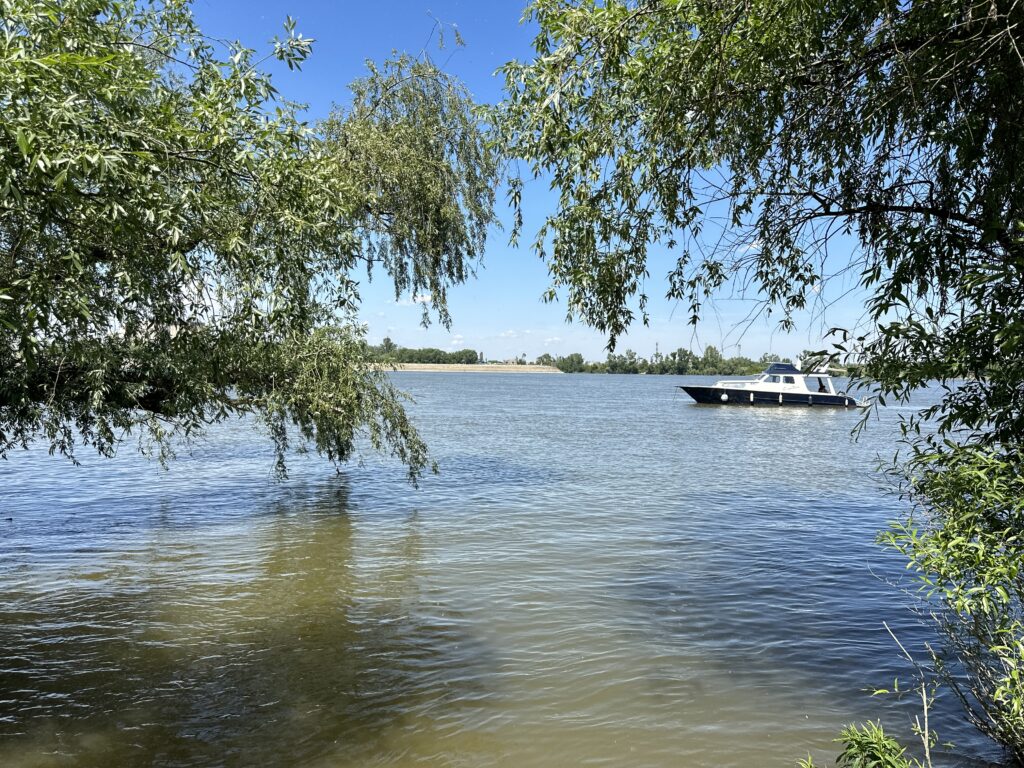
(177, 245)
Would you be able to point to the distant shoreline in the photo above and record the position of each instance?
(478, 368)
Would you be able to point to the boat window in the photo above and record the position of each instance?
(821, 385)
(773, 379)
(788, 380)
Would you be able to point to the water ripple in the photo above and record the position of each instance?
(603, 574)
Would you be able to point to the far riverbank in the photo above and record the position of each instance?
(477, 368)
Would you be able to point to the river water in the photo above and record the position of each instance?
(603, 574)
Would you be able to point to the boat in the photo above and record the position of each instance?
(780, 384)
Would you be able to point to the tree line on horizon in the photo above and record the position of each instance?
(681, 362)
(389, 352)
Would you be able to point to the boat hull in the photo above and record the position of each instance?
(726, 396)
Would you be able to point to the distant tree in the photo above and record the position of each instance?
(633, 362)
(739, 366)
(545, 359)
(711, 360)
(624, 363)
(684, 362)
(572, 363)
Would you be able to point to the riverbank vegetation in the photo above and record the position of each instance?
(773, 147)
(389, 352)
(178, 246)
(681, 362)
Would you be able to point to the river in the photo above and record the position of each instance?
(603, 573)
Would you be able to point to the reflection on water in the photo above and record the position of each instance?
(224, 644)
(602, 574)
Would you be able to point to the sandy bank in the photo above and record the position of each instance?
(485, 368)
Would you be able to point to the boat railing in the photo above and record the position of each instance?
(737, 383)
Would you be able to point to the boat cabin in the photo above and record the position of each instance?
(784, 377)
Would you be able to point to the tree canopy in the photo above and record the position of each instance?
(775, 145)
(177, 245)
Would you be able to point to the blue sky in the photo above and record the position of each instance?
(500, 313)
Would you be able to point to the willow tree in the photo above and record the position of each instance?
(745, 137)
(177, 245)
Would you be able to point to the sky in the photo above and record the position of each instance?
(499, 312)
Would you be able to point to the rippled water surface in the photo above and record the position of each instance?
(602, 574)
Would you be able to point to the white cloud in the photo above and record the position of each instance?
(552, 340)
(414, 300)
